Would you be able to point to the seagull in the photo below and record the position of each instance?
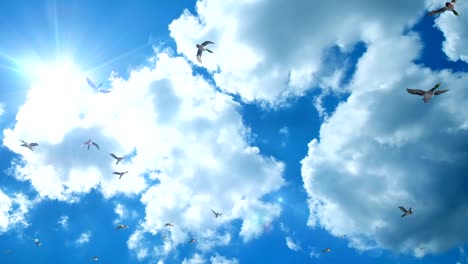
(29, 145)
(169, 224)
(343, 236)
(120, 173)
(201, 48)
(216, 214)
(405, 212)
(89, 143)
(96, 88)
(327, 250)
(38, 243)
(427, 95)
(117, 158)
(449, 6)
(95, 258)
(192, 240)
(121, 226)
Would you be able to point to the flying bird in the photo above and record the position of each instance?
(192, 240)
(169, 224)
(89, 143)
(96, 88)
(121, 226)
(117, 158)
(405, 212)
(38, 243)
(449, 6)
(343, 236)
(427, 95)
(29, 145)
(216, 214)
(120, 173)
(327, 250)
(95, 258)
(201, 48)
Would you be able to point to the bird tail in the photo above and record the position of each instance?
(455, 12)
(209, 50)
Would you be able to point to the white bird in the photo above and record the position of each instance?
(449, 6)
(95, 258)
(121, 226)
(216, 214)
(327, 250)
(120, 173)
(29, 145)
(405, 212)
(201, 48)
(192, 240)
(117, 158)
(38, 243)
(427, 95)
(89, 143)
(95, 87)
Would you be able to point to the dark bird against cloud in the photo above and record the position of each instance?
(201, 48)
(427, 95)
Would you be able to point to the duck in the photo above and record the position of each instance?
(405, 212)
(120, 173)
(201, 48)
(216, 214)
(427, 95)
(89, 143)
(117, 158)
(449, 6)
(30, 146)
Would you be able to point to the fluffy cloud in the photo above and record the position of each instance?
(84, 238)
(13, 210)
(2, 109)
(196, 259)
(385, 148)
(292, 245)
(453, 28)
(251, 61)
(222, 260)
(63, 221)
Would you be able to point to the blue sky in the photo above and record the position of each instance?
(297, 129)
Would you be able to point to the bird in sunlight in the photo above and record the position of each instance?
(38, 243)
(201, 48)
(119, 159)
(89, 143)
(169, 224)
(30, 146)
(427, 95)
(192, 240)
(449, 6)
(95, 258)
(120, 173)
(96, 88)
(327, 250)
(216, 214)
(121, 226)
(405, 212)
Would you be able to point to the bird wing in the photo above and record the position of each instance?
(117, 173)
(416, 91)
(438, 11)
(199, 58)
(95, 144)
(213, 212)
(403, 209)
(34, 144)
(91, 83)
(207, 42)
(454, 1)
(209, 50)
(24, 142)
(114, 156)
(440, 91)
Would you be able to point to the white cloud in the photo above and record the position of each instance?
(84, 238)
(196, 259)
(2, 109)
(292, 245)
(385, 148)
(63, 221)
(258, 65)
(223, 260)
(454, 29)
(13, 210)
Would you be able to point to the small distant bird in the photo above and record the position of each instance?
(120, 173)
(327, 250)
(164, 236)
(29, 145)
(38, 243)
(421, 247)
(169, 224)
(121, 226)
(117, 158)
(95, 258)
(192, 240)
(96, 88)
(405, 212)
(343, 236)
(449, 6)
(89, 143)
(427, 95)
(216, 214)
(201, 48)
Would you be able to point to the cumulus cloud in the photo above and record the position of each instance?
(294, 246)
(223, 260)
(250, 61)
(13, 210)
(196, 259)
(454, 29)
(385, 148)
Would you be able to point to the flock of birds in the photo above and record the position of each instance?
(426, 94)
